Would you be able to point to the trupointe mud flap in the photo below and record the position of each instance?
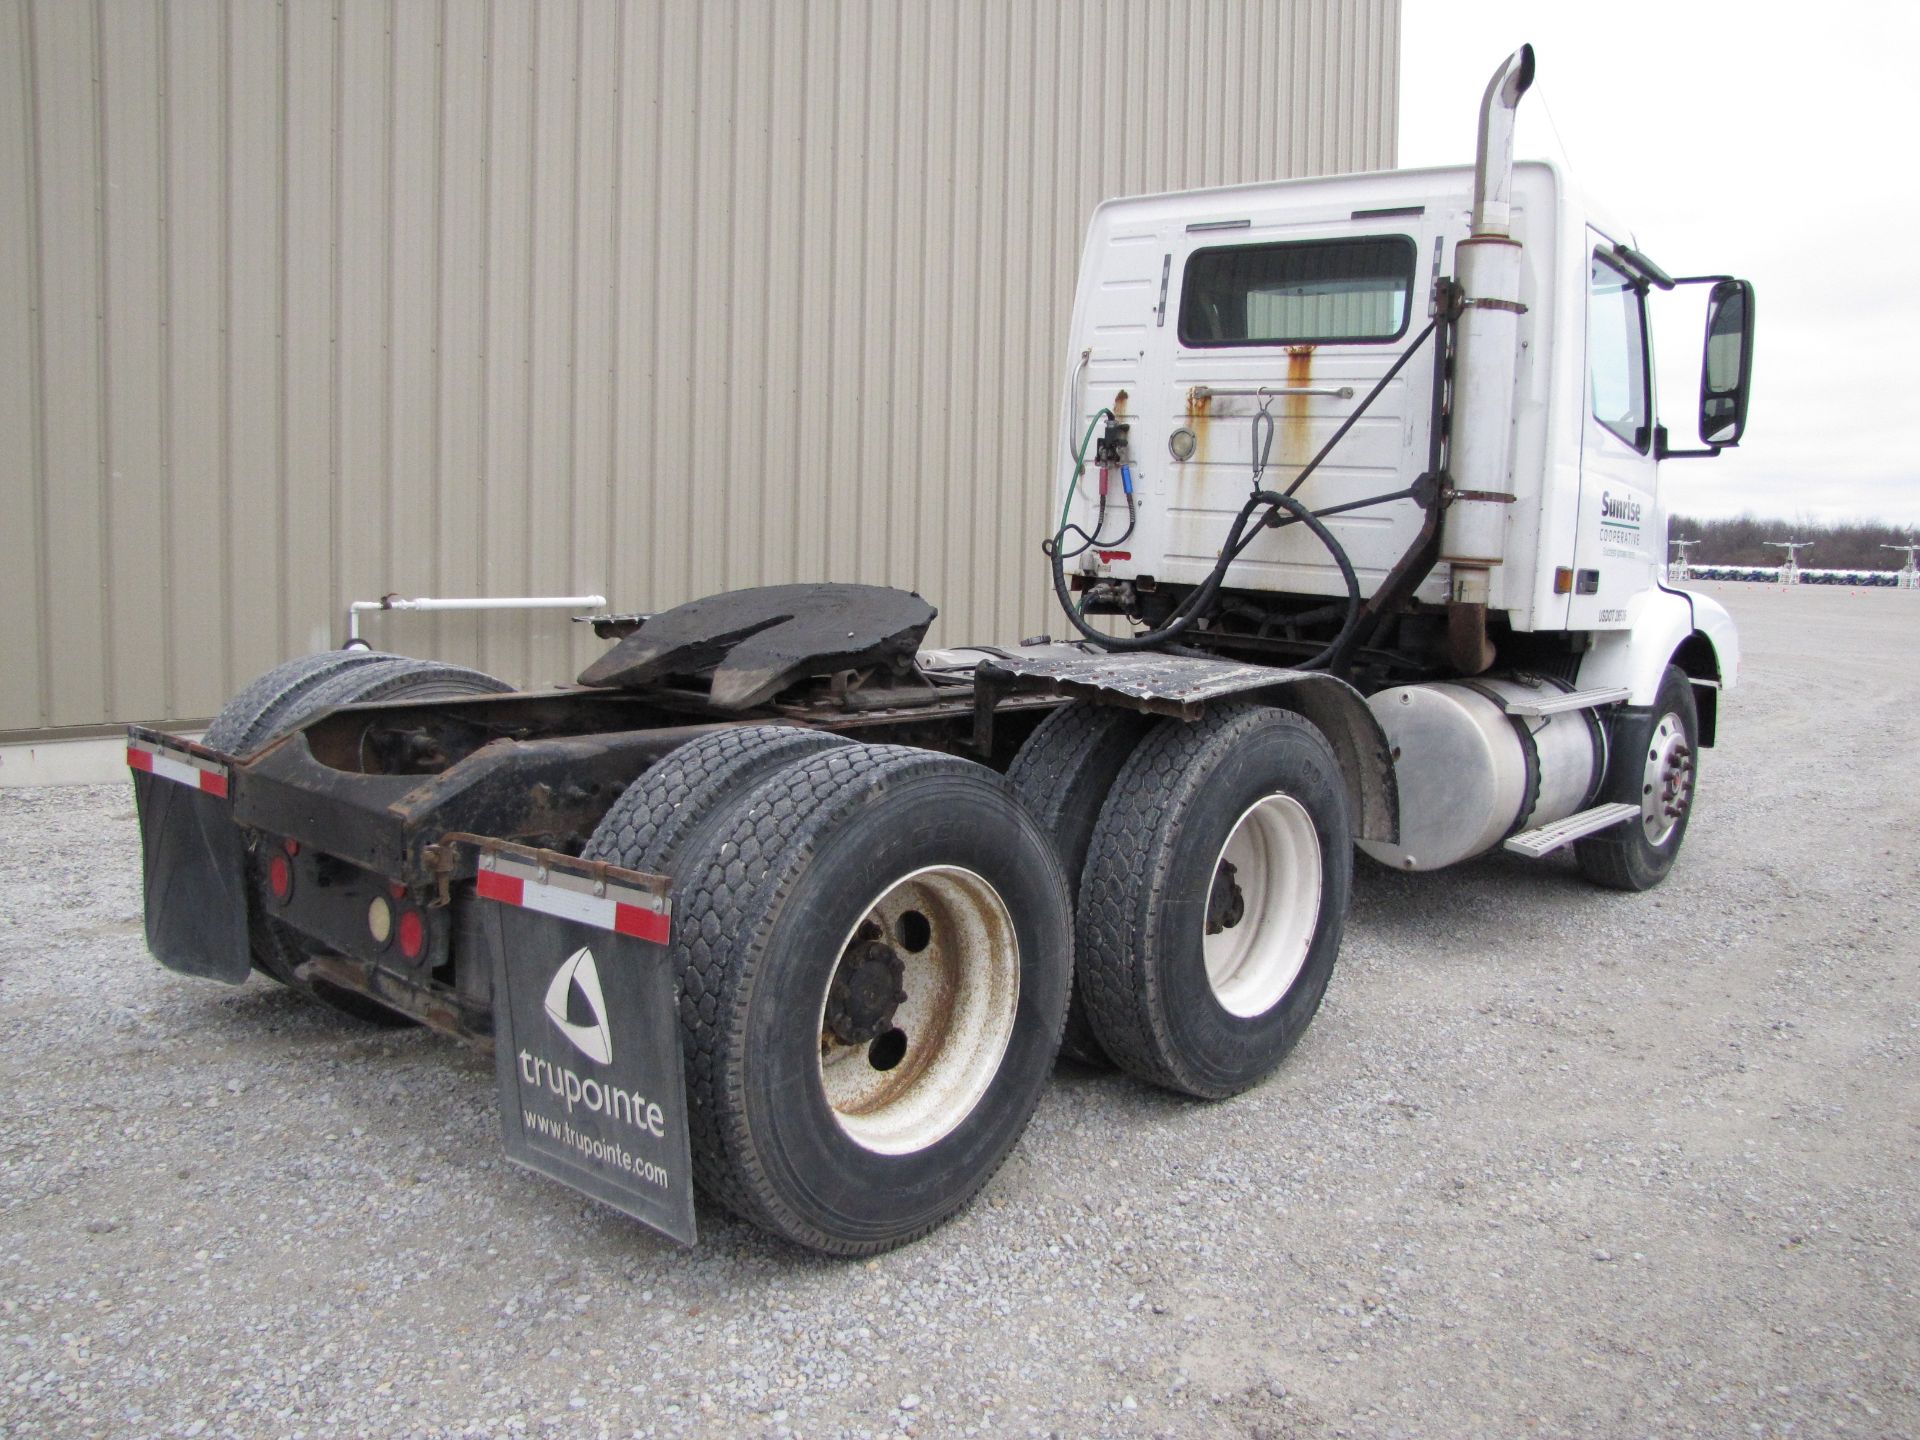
(193, 856)
(586, 1031)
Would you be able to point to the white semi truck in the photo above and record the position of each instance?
(1361, 537)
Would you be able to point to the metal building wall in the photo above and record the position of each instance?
(317, 300)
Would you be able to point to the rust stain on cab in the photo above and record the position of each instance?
(1296, 441)
(1199, 412)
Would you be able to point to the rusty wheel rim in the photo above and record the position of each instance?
(921, 1075)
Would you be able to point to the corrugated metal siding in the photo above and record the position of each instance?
(321, 300)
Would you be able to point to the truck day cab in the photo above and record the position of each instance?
(1361, 533)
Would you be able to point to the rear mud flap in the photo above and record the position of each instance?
(194, 861)
(586, 1032)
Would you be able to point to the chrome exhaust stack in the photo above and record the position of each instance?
(1486, 360)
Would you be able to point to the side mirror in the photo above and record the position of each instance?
(1726, 366)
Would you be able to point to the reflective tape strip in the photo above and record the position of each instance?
(603, 912)
(210, 778)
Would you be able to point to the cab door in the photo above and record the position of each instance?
(1620, 533)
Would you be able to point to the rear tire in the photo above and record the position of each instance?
(276, 703)
(261, 711)
(1064, 773)
(1214, 898)
(692, 787)
(394, 677)
(1655, 765)
(852, 1146)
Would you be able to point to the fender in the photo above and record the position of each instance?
(1678, 627)
(1181, 686)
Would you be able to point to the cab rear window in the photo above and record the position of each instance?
(1298, 292)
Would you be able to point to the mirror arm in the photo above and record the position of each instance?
(1648, 271)
(1702, 279)
(1664, 451)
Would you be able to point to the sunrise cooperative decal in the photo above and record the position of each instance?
(1620, 512)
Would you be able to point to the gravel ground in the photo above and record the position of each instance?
(1553, 1161)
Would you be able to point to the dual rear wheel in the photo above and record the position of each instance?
(280, 701)
(873, 947)
(1213, 864)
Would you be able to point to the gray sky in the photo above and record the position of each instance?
(1771, 141)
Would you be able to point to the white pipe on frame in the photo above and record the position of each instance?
(478, 602)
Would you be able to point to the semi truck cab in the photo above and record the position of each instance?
(1200, 316)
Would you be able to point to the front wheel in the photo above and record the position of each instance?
(1656, 766)
(1214, 897)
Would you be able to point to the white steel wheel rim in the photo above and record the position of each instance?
(1666, 787)
(963, 990)
(1275, 852)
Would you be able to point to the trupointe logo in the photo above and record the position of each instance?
(580, 972)
(595, 1041)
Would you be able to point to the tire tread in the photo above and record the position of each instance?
(1067, 754)
(659, 812)
(1120, 890)
(255, 714)
(731, 891)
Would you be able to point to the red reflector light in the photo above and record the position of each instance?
(396, 890)
(413, 935)
(280, 878)
(292, 847)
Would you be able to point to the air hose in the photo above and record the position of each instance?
(1198, 604)
(1052, 547)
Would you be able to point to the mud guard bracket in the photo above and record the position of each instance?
(1181, 686)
